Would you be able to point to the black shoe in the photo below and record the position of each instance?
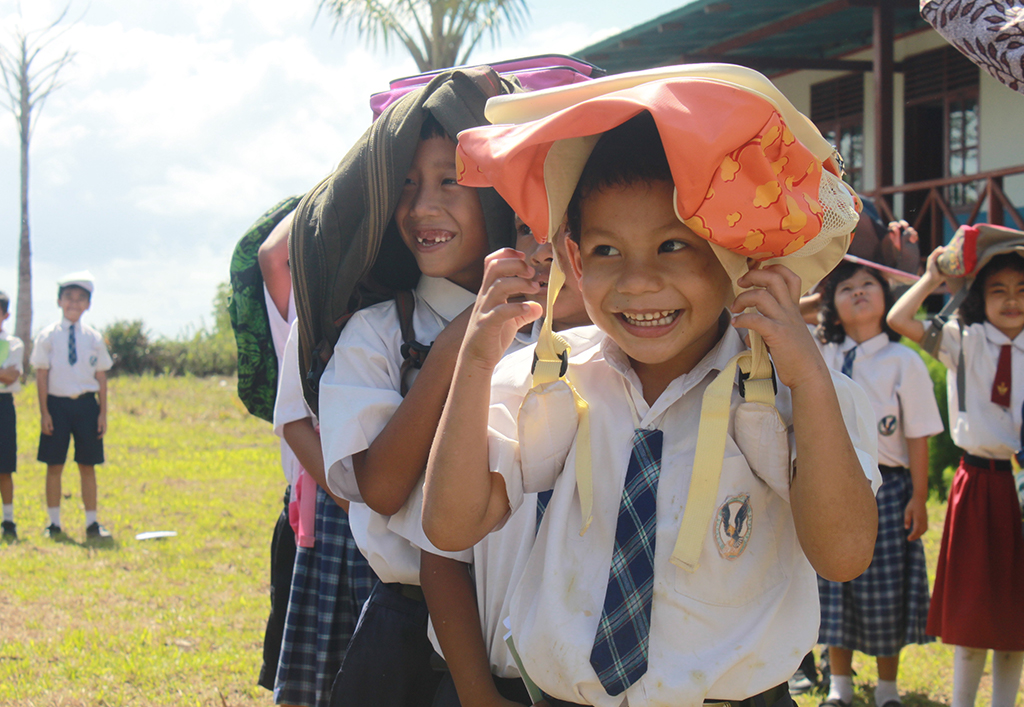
(10, 530)
(53, 531)
(96, 532)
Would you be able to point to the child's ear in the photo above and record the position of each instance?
(575, 258)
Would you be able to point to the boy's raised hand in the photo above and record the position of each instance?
(495, 320)
(774, 299)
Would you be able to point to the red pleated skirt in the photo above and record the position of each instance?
(978, 597)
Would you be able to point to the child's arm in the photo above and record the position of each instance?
(9, 375)
(273, 259)
(463, 499)
(301, 436)
(101, 424)
(834, 509)
(902, 316)
(915, 517)
(43, 388)
(451, 599)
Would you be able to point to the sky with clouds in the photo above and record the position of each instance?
(181, 121)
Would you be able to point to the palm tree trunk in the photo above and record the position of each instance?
(23, 318)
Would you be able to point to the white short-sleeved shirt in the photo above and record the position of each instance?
(290, 405)
(731, 629)
(359, 392)
(985, 429)
(899, 388)
(280, 329)
(15, 354)
(499, 559)
(50, 351)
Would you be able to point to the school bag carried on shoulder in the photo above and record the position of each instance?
(345, 253)
(247, 308)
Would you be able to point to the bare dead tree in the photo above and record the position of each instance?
(28, 80)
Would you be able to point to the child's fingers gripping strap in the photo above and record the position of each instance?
(551, 362)
(710, 453)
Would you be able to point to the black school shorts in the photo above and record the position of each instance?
(8, 435)
(78, 418)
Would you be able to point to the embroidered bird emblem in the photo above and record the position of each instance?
(734, 526)
(1003, 388)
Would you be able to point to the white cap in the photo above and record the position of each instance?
(82, 278)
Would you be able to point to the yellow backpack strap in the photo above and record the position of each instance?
(551, 362)
(757, 386)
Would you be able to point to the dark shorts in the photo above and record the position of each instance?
(8, 435)
(282, 560)
(72, 417)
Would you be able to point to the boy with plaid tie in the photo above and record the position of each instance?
(675, 562)
(71, 362)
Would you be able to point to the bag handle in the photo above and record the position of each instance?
(414, 354)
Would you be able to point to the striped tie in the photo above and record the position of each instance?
(620, 648)
(72, 348)
(848, 362)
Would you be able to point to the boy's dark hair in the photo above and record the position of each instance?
(61, 290)
(830, 330)
(972, 309)
(431, 128)
(5, 302)
(625, 155)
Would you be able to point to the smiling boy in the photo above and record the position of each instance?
(625, 598)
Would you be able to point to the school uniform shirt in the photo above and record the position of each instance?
(729, 630)
(499, 559)
(899, 388)
(359, 392)
(15, 354)
(280, 331)
(50, 350)
(985, 429)
(290, 405)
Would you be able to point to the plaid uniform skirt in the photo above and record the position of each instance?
(885, 608)
(330, 583)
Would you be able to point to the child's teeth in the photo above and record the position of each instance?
(652, 318)
(433, 241)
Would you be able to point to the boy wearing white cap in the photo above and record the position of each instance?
(71, 362)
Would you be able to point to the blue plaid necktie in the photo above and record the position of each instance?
(543, 498)
(848, 362)
(620, 648)
(72, 349)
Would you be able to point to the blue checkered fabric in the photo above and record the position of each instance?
(330, 583)
(620, 648)
(885, 608)
(543, 498)
(72, 348)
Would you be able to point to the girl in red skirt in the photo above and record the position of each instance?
(976, 601)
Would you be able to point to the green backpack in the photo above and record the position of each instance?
(247, 307)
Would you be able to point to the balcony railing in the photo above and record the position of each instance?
(935, 211)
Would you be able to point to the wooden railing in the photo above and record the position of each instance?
(937, 210)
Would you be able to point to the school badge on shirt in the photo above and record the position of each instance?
(733, 523)
(887, 425)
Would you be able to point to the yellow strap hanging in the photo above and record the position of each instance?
(710, 453)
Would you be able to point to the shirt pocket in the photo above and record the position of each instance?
(739, 561)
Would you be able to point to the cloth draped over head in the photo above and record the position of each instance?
(972, 247)
(752, 175)
(345, 252)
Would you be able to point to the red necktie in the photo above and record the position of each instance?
(1003, 382)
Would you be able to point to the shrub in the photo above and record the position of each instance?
(943, 454)
(129, 347)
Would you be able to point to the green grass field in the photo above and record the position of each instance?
(180, 621)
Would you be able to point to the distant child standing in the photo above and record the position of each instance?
(886, 607)
(11, 352)
(980, 575)
(71, 362)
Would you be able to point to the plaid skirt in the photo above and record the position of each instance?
(330, 583)
(885, 608)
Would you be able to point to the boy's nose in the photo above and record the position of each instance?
(424, 202)
(542, 254)
(638, 276)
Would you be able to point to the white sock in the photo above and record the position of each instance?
(885, 691)
(90, 518)
(841, 688)
(9, 512)
(968, 665)
(54, 514)
(1006, 669)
